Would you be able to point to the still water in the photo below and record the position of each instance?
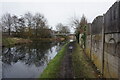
(28, 60)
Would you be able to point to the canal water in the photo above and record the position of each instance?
(28, 60)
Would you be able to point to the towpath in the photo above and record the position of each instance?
(75, 64)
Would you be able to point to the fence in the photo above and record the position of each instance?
(103, 42)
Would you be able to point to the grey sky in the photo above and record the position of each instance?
(57, 12)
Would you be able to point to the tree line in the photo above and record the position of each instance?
(26, 26)
(62, 29)
(36, 26)
(80, 26)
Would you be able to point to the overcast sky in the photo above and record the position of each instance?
(57, 11)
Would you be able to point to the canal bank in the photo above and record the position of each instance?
(13, 41)
(82, 66)
(70, 63)
(52, 69)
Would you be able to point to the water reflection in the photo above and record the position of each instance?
(28, 60)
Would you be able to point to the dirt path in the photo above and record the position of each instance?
(75, 64)
(66, 66)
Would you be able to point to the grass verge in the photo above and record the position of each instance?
(82, 68)
(52, 69)
(13, 41)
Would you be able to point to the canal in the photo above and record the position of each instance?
(28, 60)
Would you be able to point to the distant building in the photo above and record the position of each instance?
(72, 36)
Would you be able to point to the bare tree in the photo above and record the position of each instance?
(39, 23)
(3, 27)
(75, 23)
(0, 27)
(28, 19)
(7, 22)
(15, 23)
(65, 30)
(0, 33)
(62, 29)
(79, 25)
(21, 24)
(26, 26)
(59, 27)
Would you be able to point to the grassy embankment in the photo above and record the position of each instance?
(12, 41)
(81, 66)
(48, 39)
(53, 67)
(8, 41)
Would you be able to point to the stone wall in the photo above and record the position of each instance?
(103, 42)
